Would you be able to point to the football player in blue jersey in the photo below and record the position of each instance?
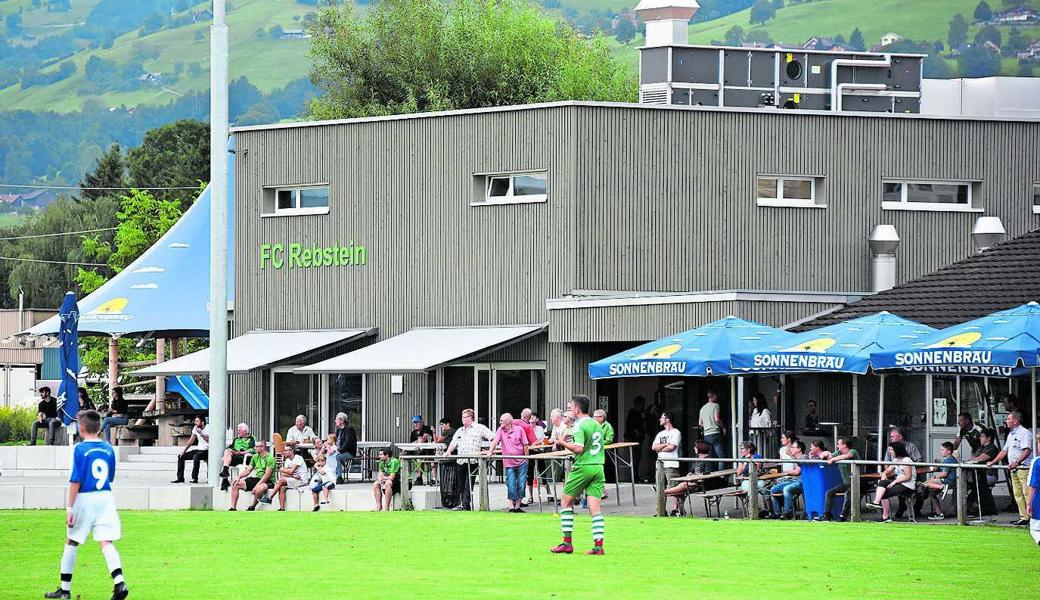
(91, 507)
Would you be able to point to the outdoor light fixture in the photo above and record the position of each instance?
(883, 241)
(987, 232)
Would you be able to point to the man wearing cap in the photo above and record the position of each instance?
(420, 434)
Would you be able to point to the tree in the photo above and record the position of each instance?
(1016, 42)
(626, 31)
(420, 55)
(988, 33)
(856, 41)
(758, 36)
(761, 12)
(174, 155)
(110, 172)
(957, 34)
(978, 61)
(1025, 69)
(734, 36)
(983, 12)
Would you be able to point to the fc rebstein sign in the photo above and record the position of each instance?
(295, 255)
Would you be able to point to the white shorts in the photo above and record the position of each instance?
(1034, 529)
(95, 512)
(294, 483)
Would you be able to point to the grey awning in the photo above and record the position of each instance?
(425, 348)
(257, 349)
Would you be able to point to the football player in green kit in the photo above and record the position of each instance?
(586, 475)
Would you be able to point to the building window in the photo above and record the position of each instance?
(514, 188)
(296, 200)
(1036, 198)
(795, 192)
(928, 195)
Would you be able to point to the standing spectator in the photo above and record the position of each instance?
(940, 485)
(47, 418)
(969, 432)
(608, 430)
(117, 414)
(346, 446)
(420, 434)
(710, 421)
(845, 452)
(468, 440)
(790, 485)
(538, 426)
(237, 453)
(300, 433)
(555, 421)
(812, 418)
(635, 430)
(666, 445)
(514, 442)
(524, 423)
(982, 482)
(760, 415)
(1018, 449)
(445, 432)
(388, 480)
(1033, 506)
(195, 450)
(255, 477)
(292, 475)
(896, 481)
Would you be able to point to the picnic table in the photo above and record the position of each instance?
(364, 455)
(693, 478)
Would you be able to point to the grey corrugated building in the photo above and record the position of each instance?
(560, 233)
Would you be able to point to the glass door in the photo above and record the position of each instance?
(293, 395)
(346, 395)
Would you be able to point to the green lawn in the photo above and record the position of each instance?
(220, 555)
(10, 219)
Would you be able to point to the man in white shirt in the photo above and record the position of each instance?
(666, 445)
(195, 450)
(300, 433)
(293, 474)
(468, 439)
(1018, 448)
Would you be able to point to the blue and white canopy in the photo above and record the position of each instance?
(699, 352)
(165, 292)
(1004, 343)
(840, 348)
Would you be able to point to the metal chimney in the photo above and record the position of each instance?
(666, 20)
(883, 242)
(987, 232)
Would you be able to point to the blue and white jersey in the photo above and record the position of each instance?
(93, 466)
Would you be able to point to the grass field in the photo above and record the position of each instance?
(10, 219)
(219, 555)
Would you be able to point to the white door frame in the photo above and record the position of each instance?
(492, 367)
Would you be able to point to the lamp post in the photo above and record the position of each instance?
(218, 187)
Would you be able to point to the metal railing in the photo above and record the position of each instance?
(854, 493)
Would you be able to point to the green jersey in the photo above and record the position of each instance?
(390, 467)
(589, 435)
(260, 465)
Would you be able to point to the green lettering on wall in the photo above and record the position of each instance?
(295, 255)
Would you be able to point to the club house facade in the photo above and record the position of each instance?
(483, 258)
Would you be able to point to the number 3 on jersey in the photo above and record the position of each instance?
(597, 444)
(99, 469)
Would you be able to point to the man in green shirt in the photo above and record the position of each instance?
(237, 453)
(388, 480)
(586, 475)
(608, 430)
(255, 477)
(844, 453)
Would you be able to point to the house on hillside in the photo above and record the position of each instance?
(817, 42)
(201, 15)
(152, 78)
(1031, 53)
(35, 199)
(890, 38)
(295, 34)
(989, 44)
(629, 16)
(1018, 15)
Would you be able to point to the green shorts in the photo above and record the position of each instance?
(588, 479)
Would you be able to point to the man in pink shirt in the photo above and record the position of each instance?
(514, 442)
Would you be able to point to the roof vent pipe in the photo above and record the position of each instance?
(883, 242)
(987, 232)
(666, 20)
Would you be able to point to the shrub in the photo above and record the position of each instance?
(15, 423)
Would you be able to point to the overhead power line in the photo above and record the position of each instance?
(54, 262)
(44, 235)
(99, 189)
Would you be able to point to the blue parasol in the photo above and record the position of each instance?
(840, 348)
(701, 352)
(68, 335)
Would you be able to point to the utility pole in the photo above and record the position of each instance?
(218, 189)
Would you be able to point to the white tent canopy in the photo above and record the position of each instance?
(422, 349)
(257, 349)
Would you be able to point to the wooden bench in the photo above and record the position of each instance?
(714, 498)
(135, 435)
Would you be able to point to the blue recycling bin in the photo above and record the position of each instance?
(816, 480)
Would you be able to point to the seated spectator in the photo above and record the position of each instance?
(47, 418)
(292, 475)
(787, 439)
(898, 434)
(85, 403)
(980, 494)
(896, 481)
(790, 485)
(420, 434)
(818, 450)
(118, 414)
(749, 450)
(196, 450)
(346, 446)
(237, 453)
(322, 480)
(299, 433)
(845, 452)
(388, 480)
(941, 483)
(680, 490)
(255, 477)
